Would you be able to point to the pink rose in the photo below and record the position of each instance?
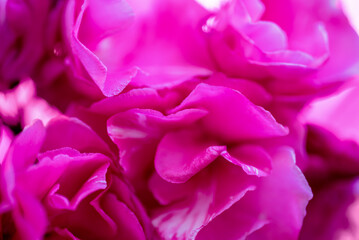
(178, 119)
(55, 185)
(210, 160)
(265, 41)
(250, 39)
(151, 54)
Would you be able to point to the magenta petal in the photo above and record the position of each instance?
(22, 153)
(180, 155)
(231, 115)
(146, 123)
(246, 44)
(166, 192)
(253, 159)
(137, 131)
(286, 188)
(199, 200)
(140, 98)
(183, 220)
(112, 213)
(256, 93)
(50, 167)
(95, 68)
(29, 216)
(259, 214)
(124, 192)
(255, 8)
(71, 132)
(5, 141)
(89, 29)
(104, 18)
(267, 36)
(127, 223)
(237, 222)
(141, 123)
(19, 157)
(344, 51)
(84, 174)
(97, 181)
(63, 233)
(6, 137)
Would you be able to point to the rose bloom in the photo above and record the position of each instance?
(200, 100)
(209, 163)
(150, 43)
(152, 46)
(264, 40)
(120, 42)
(55, 185)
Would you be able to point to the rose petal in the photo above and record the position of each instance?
(182, 154)
(232, 116)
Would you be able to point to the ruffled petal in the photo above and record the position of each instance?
(182, 154)
(231, 115)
